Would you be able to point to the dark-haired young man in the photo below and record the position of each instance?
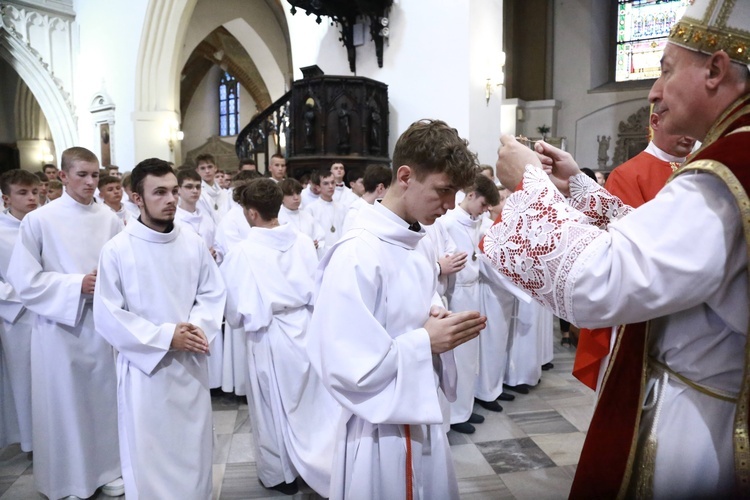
(20, 190)
(159, 303)
(463, 226)
(110, 191)
(270, 285)
(74, 387)
(291, 213)
(277, 168)
(312, 192)
(214, 199)
(375, 181)
(380, 337)
(328, 213)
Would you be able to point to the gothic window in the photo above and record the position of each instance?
(229, 105)
(642, 30)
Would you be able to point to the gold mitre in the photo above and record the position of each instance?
(712, 25)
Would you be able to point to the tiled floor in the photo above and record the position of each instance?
(529, 451)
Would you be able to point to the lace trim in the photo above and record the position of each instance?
(595, 202)
(540, 238)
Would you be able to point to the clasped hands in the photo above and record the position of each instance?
(512, 158)
(189, 338)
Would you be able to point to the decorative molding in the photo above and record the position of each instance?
(28, 60)
(632, 136)
(16, 22)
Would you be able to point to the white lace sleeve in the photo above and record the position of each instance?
(597, 203)
(539, 240)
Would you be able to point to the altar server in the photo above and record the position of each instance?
(159, 302)
(74, 392)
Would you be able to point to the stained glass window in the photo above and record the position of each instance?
(229, 105)
(642, 30)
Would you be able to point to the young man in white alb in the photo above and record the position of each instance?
(74, 386)
(159, 303)
(375, 183)
(463, 225)
(110, 191)
(328, 213)
(291, 213)
(21, 196)
(270, 297)
(214, 199)
(381, 339)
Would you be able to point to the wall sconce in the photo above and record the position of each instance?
(489, 88)
(172, 134)
(45, 155)
(497, 81)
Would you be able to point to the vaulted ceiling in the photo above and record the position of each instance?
(221, 48)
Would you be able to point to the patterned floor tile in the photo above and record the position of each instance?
(514, 455)
(542, 422)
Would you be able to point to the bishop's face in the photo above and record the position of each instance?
(680, 93)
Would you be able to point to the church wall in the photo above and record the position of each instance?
(201, 117)
(580, 51)
(428, 64)
(110, 34)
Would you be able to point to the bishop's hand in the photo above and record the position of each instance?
(559, 165)
(512, 158)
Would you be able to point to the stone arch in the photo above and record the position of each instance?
(53, 100)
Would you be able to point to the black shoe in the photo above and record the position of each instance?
(506, 397)
(520, 388)
(565, 342)
(547, 366)
(475, 418)
(489, 405)
(463, 428)
(285, 488)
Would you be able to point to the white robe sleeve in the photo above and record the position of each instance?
(10, 305)
(669, 255)
(245, 307)
(380, 378)
(53, 295)
(208, 308)
(143, 343)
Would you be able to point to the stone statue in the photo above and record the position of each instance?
(309, 119)
(374, 129)
(603, 156)
(344, 130)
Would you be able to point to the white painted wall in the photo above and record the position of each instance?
(110, 34)
(433, 64)
(580, 44)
